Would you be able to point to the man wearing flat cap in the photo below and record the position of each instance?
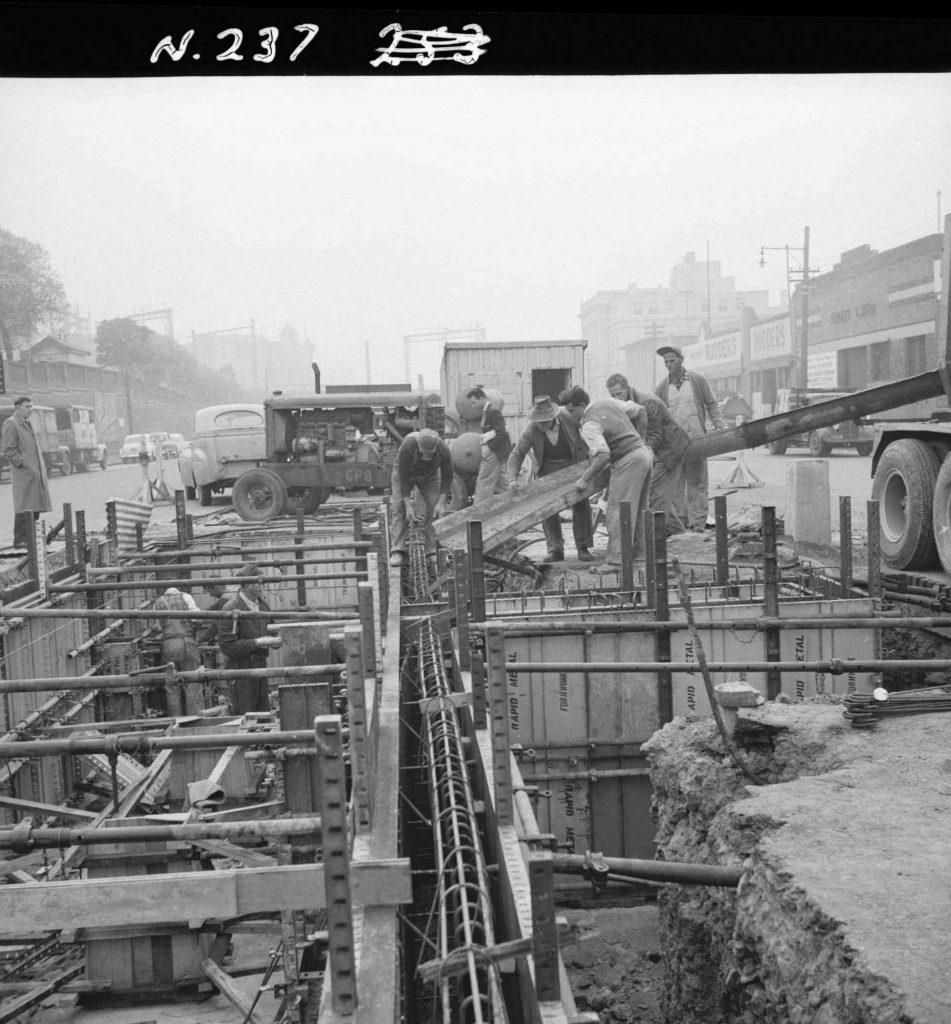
(554, 440)
(422, 465)
(245, 642)
(692, 403)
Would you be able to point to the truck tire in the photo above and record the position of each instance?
(310, 498)
(864, 449)
(189, 493)
(904, 486)
(817, 446)
(81, 466)
(204, 495)
(941, 514)
(258, 495)
(777, 447)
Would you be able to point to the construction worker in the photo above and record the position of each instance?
(245, 642)
(614, 434)
(691, 402)
(180, 649)
(424, 466)
(667, 441)
(553, 438)
(496, 446)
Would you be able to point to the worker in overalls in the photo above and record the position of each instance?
(692, 403)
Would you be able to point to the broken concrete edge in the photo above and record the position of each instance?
(808, 937)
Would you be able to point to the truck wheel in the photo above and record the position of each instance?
(81, 467)
(777, 447)
(941, 512)
(904, 486)
(189, 493)
(204, 495)
(864, 449)
(817, 446)
(258, 495)
(310, 498)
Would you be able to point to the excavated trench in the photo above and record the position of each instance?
(842, 915)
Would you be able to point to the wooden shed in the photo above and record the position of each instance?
(520, 370)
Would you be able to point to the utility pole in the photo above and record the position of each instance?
(804, 334)
(709, 303)
(802, 352)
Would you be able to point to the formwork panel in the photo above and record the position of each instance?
(567, 720)
(821, 642)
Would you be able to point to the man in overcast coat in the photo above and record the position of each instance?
(31, 493)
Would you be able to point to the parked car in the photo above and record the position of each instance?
(820, 442)
(227, 440)
(133, 445)
(174, 446)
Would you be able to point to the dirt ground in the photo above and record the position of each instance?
(616, 967)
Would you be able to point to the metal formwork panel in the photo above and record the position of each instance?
(573, 724)
(818, 643)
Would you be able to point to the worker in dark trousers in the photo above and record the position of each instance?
(667, 441)
(245, 642)
(180, 649)
(206, 636)
(554, 440)
(424, 466)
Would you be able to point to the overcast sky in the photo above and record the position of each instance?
(362, 209)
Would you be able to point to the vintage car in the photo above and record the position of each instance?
(227, 441)
(855, 434)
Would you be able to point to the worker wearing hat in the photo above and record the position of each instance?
(424, 466)
(554, 440)
(692, 404)
(245, 642)
(666, 439)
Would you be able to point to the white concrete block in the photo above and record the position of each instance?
(808, 516)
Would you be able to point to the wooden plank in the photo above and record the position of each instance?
(192, 896)
(51, 810)
(504, 516)
(222, 848)
(229, 990)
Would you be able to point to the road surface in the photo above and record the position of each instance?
(848, 475)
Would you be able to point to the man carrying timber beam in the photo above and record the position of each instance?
(613, 432)
(555, 442)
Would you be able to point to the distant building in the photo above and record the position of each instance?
(873, 317)
(53, 350)
(698, 296)
(259, 365)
